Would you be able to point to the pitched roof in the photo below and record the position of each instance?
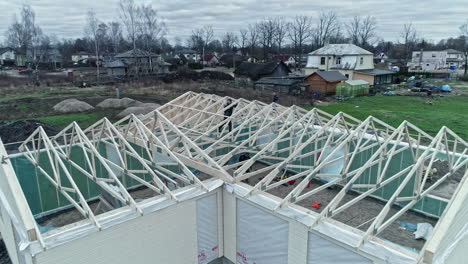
(255, 70)
(282, 57)
(356, 82)
(375, 72)
(452, 51)
(281, 80)
(3, 50)
(331, 76)
(136, 53)
(340, 50)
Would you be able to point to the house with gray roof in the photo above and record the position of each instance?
(136, 62)
(353, 62)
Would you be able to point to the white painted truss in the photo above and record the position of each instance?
(193, 134)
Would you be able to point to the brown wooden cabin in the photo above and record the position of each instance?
(323, 82)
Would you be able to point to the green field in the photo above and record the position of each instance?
(83, 119)
(449, 111)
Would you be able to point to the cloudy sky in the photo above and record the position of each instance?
(434, 19)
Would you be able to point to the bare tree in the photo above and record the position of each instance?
(267, 34)
(300, 31)
(362, 30)
(115, 35)
(196, 40)
(252, 37)
(243, 40)
(409, 36)
(353, 29)
(327, 26)
(281, 28)
(464, 33)
(129, 14)
(20, 34)
(150, 27)
(229, 41)
(92, 31)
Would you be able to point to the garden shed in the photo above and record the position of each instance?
(322, 83)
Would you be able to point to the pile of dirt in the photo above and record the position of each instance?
(20, 130)
(188, 75)
(72, 106)
(141, 109)
(114, 103)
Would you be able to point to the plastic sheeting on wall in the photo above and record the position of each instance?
(113, 155)
(262, 238)
(322, 251)
(334, 167)
(207, 229)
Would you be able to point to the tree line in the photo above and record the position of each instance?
(141, 26)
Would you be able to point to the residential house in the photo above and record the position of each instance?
(287, 84)
(49, 58)
(7, 56)
(211, 60)
(189, 54)
(136, 62)
(436, 60)
(249, 72)
(375, 77)
(286, 58)
(322, 83)
(233, 60)
(80, 56)
(348, 59)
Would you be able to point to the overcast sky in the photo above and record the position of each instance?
(434, 19)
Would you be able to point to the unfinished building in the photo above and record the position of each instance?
(189, 183)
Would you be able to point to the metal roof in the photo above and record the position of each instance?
(331, 76)
(340, 50)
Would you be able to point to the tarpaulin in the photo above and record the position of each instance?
(207, 229)
(322, 251)
(262, 238)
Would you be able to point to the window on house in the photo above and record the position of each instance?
(338, 60)
(417, 55)
(347, 76)
(362, 60)
(322, 60)
(427, 64)
(433, 55)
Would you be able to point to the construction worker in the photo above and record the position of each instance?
(245, 157)
(275, 98)
(229, 109)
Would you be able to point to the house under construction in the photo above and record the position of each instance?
(266, 184)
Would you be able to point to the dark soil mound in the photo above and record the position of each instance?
(187, 75)
(20, 130)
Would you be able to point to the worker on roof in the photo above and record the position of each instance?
(228, 110)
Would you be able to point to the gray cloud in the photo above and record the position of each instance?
(434, 19)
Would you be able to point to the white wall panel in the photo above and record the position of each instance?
(262, 238)
(298, 236)
(322, 251)
(229, 220)
(166, 236)
(207, 229)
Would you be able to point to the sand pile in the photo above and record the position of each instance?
(72, 106)
(114, 103)
(141, 109)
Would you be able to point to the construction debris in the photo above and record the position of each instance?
(72, 106)
(20, 130)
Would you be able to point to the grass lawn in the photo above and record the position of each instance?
(83, 119)
(446, 111)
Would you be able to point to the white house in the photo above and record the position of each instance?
(80, 56)
(345, 58)
(7, 56)
(189, 54)
(350, 60)
(436, 60)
